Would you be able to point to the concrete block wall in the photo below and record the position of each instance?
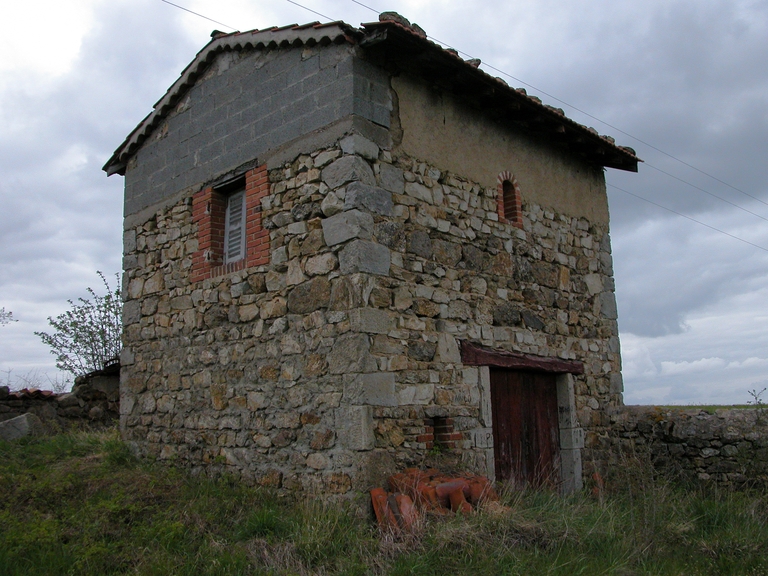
(250, 103)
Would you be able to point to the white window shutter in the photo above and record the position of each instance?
(234, 228)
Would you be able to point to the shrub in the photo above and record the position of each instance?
(87, 335)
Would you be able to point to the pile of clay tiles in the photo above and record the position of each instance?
(413, 493)
(33, 393)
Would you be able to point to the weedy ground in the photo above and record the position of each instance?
(82, 504)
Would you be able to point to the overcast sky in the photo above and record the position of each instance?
(686, 78)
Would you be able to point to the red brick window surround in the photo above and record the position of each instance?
(209, 208)
(509, 202)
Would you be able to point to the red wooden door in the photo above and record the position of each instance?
(525, 427)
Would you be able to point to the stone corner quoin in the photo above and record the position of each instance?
(324, 359)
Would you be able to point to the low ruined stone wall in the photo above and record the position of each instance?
(95, 398)
(729, 447)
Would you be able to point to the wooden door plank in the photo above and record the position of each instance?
(525, 426)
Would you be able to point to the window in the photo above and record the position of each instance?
(234, 228)
(508, 192)
(229, 231)
(509, 202)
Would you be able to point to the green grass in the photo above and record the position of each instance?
(81, 504)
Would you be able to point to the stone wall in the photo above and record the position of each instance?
(326, 368)
(93, 400)
(728, 447)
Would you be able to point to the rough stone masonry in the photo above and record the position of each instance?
(378, 244)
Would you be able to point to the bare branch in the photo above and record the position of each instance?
(6, 317)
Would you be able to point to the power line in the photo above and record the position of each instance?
(310, 10)
(610, 126)
(583, 112)
(688, 217)
(364, 6)
(675, 158)
(201, 16)
(707, 192)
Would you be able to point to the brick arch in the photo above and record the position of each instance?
(509, 203)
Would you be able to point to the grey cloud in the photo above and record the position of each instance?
(689, 78)
(666, 269)
(60, 217)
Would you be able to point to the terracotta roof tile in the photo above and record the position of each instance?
(33, 393)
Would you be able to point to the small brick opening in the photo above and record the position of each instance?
(509, 201)
(439, 433)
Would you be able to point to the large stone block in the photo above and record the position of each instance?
(570, 471)
(420, 244)
(370, 320)
(346, 226)
(21, 426)
(348, 169)
(448, 349)
(484, 384)
(357, 144)
(369, 198)
(364, 256)
(345, 294)
(392, 178)
(310, 296)
(131, 312)
(482, 437)
(571, 438)
(608, 305)
(390, 234)
(321, 264)
(350, 354)
(417, 394)
(375, 389)
(506, 314)
(129, 241)
(354, 426)
(447, 253)
(617, 384)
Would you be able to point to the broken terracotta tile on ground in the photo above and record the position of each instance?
(414, 492)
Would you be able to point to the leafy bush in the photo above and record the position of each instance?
(87, 335)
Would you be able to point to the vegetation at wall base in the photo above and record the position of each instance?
(88, 335)
(82, 504)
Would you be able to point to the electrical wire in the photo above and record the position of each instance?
(706, 192)
(676, 159)
(687, 217)
(310, 10)
(587, 114)
(201, 16)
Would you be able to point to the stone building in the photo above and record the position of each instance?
(346, 248)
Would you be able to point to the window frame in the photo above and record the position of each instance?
(211, 211)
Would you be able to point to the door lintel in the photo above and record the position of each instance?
(475, 355)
